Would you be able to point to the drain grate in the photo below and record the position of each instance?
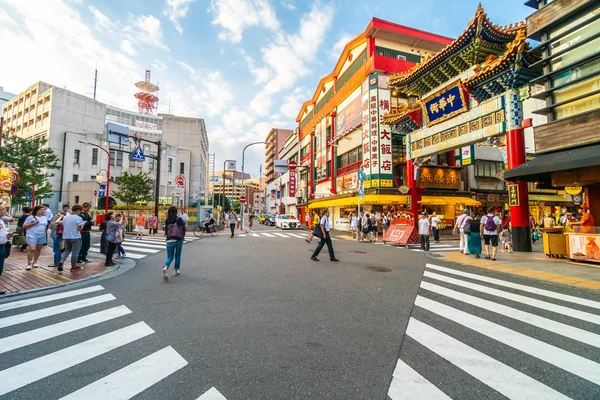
(357, 251)
(378, 269)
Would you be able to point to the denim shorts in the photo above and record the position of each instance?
(36, 239)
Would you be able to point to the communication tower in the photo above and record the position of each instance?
(147, 98)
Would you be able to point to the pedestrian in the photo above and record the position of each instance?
(4, 246)
(353, 225)
(48, 214)
(376, 224)
(36, 225)
(21, 232)
(506, 219)
(114, 237)
(459, 228)
(424, 231)
(232, 221)
(152, 225)
(56, 233)
(490, 225)
(316, 221)
(183, 215)
(386, 223)
(435, 226)
(533, 227)
(473, 232)
(238, 220)
(548, 221)
(364, 226)
(72, 226)
(370, 227)
(140, 224)
(506, 239)
(325, 239)
(85, 232)
(175, 231)
(122, 223)
(250, 220)
(103, 241)
(586, 223)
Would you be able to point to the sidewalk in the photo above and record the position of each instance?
(16, 279)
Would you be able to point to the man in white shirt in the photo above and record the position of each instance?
(72, 226)
(435, 226)
(325, 239)
(47, 212)
(490, 225)
(459, 228)
(183, 216)
(424, 231)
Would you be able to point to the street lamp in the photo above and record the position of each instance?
(243, 188)
(223, 187)
(107, 171)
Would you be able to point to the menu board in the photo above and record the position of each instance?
(584, 247)
(5, 185)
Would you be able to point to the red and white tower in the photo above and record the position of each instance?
(147, 98)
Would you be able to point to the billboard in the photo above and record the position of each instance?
(231, 165)
(281, 166)
(117, 133)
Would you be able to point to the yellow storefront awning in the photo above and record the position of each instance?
(370, 199)
(448, 201)
(551, 198)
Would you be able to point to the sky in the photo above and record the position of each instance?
(244, 66)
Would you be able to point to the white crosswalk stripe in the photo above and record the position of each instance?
(435, 247)
(278, 235)
(144, 370)
(138, 249)
(496, 338)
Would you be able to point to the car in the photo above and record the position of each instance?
(286, 221)
(270, 220)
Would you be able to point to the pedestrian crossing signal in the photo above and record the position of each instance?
(138, 154)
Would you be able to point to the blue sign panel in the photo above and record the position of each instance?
(138, 154)
(445, 104)
(117, 133)
(361, 191)
(361, 176)
(278, 194)
(102, 191)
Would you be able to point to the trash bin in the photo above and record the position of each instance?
(99, 219)
(555, 243)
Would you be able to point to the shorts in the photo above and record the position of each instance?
(139, 228)
(491, 239)
(36, 239)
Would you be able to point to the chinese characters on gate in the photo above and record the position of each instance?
(445, 104)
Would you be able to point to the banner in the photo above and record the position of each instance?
(292, 184)
(399, 234)
(386, 174)
(5, 185)
(349, 115)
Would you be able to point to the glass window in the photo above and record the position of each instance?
(76, 199)
(181, 168)
(76, 157)
(578, 107)
(119, 158)
(170, 165)
(94, 156)
(75, 178)
(589, 15)
(575, 54)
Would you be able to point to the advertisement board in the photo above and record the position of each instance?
(349, 115)
(117, 133)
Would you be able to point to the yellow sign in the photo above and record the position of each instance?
(387, 183)
(573, 190)
(438, 178)
(513, 195)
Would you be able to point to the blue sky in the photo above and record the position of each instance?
(242, 65)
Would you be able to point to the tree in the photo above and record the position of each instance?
(132, 188)
(236, 205)
(217, 201)
(33, 160)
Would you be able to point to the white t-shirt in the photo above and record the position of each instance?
(184, 217)
(353, 222)
(70, 224)
(3, 233)
(424, 226)
(497, 221)
(435, 221)
(325, 223)
(37, 230)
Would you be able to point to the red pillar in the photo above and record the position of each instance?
(312, 165)
(415, 194)
(332, 190)
(451, 159)
(515, 147)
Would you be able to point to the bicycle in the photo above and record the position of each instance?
(200, 230)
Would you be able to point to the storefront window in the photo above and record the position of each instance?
(586, 69)
(575, 55)
(578, 107)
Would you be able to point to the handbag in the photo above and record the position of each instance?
(175, 231)
(317, 231)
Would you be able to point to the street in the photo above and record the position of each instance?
(254, 318)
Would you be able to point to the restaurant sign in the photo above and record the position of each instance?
(438, 178)
(513, 195)
(445, 104)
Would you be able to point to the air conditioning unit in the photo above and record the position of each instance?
(399, 57)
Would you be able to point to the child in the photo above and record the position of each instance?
(506, 238)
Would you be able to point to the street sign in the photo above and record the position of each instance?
(15, 177)
(231, 165)
(292, 165)
(102, 191)
(214, 178)
(243, 199)
(180, 180)
(361, 191)
(13, 190)
(361, 176)
(138, 154)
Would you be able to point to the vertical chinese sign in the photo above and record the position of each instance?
(374, 131)
(292, 183)
(366, 123)
(386, 173)
(6, 182)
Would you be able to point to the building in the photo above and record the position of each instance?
(290, 193)
(340, 132)
(4, 96)
(276, 139)
(567, 146)
(67, 119)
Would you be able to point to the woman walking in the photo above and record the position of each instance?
(153, 225)
(175, 232)
(56, 232)
(122, 223)
(114, 237)
(474, 236)
(353, 225)
(35, 225)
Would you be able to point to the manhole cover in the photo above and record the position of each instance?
(357, 251)
(378, 269)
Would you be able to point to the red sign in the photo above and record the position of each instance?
(15, 177)
(292, 165)
(292, 182)
(399, 234)
(180, 179)
(243, 199)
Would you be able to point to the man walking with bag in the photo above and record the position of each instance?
(325, 239)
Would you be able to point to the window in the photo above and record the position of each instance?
(305, 150)
(350, 157)
(94, 156)
(116, 158)
(151, 163)
(76, 199)
(76, 156)
(75, 178)
(488, 169)
(181, 168)
(170, 165)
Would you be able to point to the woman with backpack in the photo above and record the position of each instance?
(175, 232)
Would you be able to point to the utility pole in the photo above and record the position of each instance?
(95, 82)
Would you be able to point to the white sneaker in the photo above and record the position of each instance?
(28, 268)
(177, 273)
(124, 255)
(164, 274)
(36, 265)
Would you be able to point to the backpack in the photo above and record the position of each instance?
(175, 231)
(467, 228)
(490, 225)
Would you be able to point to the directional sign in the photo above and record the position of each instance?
(180, 180)
(361, 192)
(243, 199)
(13, 190)
(138, 154)
(292, 165)
(361, 176)
(102, 191)
(214, 178)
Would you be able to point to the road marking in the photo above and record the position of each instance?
(544, 305)
(408, 384)
(267, 234)
(212, 394)
(161, 245)
(504, 379)
(134, 378)
(129, 255)
(255, 235)
(282, 235)
(439, 250)
(296, 235)
(560, 358)
(547, 293)
(46, 312)
(242, 235)
(531, 319)
(51, 331)
(31, 371)
(128, 247)
(52, 297)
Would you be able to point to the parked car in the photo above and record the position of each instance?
(286, 222)
(270, 220)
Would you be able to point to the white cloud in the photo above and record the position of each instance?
(103, 23)
(234, 16)
(291, 103)
(339, 45)
(147, 29)
(175, 10)
(261, 75)
(211, 95)
(289, 4)
(127, 47)
(158, 65)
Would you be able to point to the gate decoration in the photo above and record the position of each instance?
(402, 230)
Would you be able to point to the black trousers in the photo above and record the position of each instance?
(325, 241)
(232, 226)
(85, 246)
(424, 242)
(110, 251)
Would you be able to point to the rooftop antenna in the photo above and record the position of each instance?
(95, 80)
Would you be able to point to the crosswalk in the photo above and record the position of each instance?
(472, 336)
(277, 235)
(138, 249)
(436, 247)
(23, 374)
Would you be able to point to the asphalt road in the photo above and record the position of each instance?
(254, 318)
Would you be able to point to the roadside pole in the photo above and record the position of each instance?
(361, 193)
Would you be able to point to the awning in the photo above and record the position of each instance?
(550, 198)
(584, 157)
(448, 200)
(371, 199)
